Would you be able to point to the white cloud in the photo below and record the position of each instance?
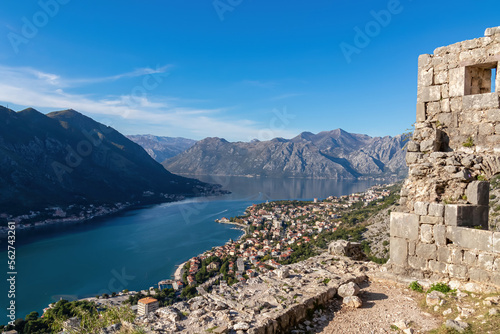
(136, 110)
(260, 84)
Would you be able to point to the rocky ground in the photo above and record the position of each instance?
(385, 307)
(378, 232)
(269, 303)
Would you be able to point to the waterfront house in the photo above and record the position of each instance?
(147, 305)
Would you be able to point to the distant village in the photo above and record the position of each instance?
(74, 213)
(58, 215)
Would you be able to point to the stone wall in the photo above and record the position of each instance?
(455, 149)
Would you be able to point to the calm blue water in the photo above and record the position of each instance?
(136, 249)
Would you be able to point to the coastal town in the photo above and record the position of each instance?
(275, 233)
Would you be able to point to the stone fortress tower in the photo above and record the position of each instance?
(442, 231)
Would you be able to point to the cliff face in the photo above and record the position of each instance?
(335, 154)
(67, 158)
(162, 148)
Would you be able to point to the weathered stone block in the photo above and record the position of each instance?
(411, 247)
(470, 258)
(496, 265)
(479, 275)
(426, 77)
(456, 104)
(430, 94)
(441, 77)
(445, 119)
(436, 210)
(457, 270)
(485, 261)
(412, 147)
(456, 255)
(426, 251)
(421, 112)
(443, 254)
(445, 91)
(399, 251)
(493, 115)
(404, 225)
(495, 279)
(431, 220)
(417, 262)
(496, 242)
(413, 157)
(457, 81)
(486, 129)
(478, 192)
(430, 145)
(421, 208)
(445, 106)
(481, 101)
(470, 238)
(437, 267)
(440, 235)
(433, 108)
(426, 235)
(424, 60)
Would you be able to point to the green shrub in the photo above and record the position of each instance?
(415, 286)
(468, 143)
(441, 287)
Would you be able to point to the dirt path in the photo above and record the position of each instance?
(384, 304)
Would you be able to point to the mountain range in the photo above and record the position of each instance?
(333, 154)
(64, 157)
(162, 148)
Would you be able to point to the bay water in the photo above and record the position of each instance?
(135, 249)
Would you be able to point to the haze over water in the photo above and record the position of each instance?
(136, 249)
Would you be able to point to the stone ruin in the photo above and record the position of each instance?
(442, 231)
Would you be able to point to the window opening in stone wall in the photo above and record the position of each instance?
(493, 80)
(480, 79)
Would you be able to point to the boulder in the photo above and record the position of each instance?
(347, 290)
(434, 298)
(243, 326)
(283, 272)
(346, 248)
(352, 301)
(457, 325)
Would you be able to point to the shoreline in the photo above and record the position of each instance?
(53, 222)
(179, 271)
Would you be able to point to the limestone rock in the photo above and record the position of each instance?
(346, 248)
(457, 325)
(434, 298)
(283, 273)
(241, 326)
(347, 290)
(352, 301)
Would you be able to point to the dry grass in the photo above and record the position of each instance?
(480, 322)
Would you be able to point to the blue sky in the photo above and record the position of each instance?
(238, 69)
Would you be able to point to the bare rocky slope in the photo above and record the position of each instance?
(162, 148)
(333, 154)
(66, 158)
